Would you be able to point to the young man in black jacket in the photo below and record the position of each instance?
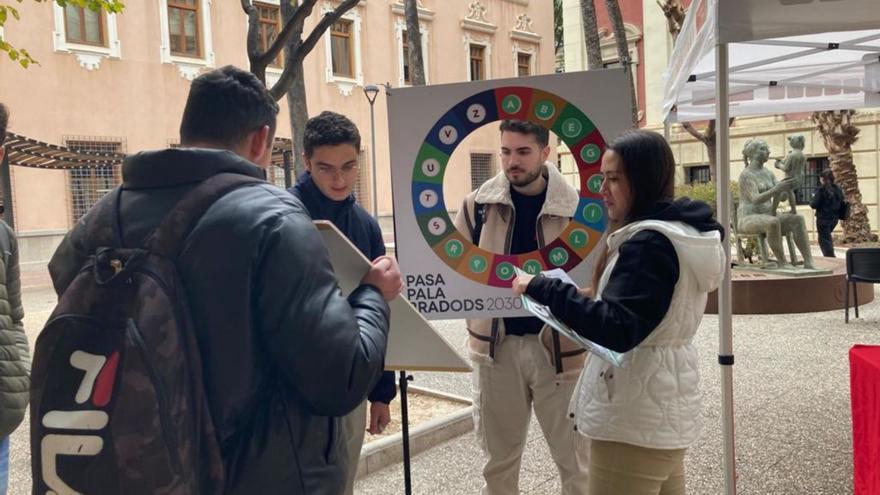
(331, 144)
(284, 354)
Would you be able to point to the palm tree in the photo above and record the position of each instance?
(616, 19)
(414, 38)
(591, 35)
(839, 134)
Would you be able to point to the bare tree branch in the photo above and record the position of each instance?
(253, 30)
(694, 132)
(295, 60)
(293, 25)
(326, 22)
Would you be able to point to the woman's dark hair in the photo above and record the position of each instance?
(649, 169)
(828, 175)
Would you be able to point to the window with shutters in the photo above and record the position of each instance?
(523, 64)
(184, 28)
(88, 35)
(186, 35)
(85, 26)
(478, 62)
(342, 49)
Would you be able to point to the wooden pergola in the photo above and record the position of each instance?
(22, 151)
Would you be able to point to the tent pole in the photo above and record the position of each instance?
(725, 301)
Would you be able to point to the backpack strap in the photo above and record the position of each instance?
(168, 238)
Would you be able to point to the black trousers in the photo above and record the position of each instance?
(825, 226)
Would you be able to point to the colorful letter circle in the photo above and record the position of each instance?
(568, 122)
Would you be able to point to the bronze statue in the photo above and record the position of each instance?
(758, 198)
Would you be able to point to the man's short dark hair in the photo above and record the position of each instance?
(4, 123)
(330, 129)
(542, 135)
(224, 106)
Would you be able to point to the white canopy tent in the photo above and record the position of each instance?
(823, 71)
(773, 56)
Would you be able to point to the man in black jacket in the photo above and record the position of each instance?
(284, 353)
(331, 144)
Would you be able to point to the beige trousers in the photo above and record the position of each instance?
(617, 468)
(354, 427)
(505, 392)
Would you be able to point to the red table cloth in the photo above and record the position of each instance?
(864, 364)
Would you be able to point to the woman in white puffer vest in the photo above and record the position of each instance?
(647, 298)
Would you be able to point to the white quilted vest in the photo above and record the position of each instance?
(654, 401)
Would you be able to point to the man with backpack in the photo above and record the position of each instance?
(201, 343)
(331, 144)
(15, 363)
(521, 364)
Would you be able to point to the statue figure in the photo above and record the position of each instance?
(758, 190)
(793, 165)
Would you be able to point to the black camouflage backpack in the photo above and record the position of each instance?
(117, 402)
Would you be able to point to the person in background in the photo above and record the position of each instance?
(331, 145)
(827, 201)
(649, 292)
(15, 362)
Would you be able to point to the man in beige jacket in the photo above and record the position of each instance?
(519, 363)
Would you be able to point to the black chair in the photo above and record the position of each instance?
(862, 265)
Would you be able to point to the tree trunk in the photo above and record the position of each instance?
(299, 114)
(591, 35)
(712, 152)
(414, 37)
(839, 134)
(616, 19)
(296, 93)
(558, 27)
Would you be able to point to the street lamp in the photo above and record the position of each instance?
(371, 90)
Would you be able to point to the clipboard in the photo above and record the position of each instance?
(413, 343)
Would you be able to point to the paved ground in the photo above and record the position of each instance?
(792, 412)
(791, 392)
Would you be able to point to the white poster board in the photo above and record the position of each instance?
(413, 344)
(446, 276)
